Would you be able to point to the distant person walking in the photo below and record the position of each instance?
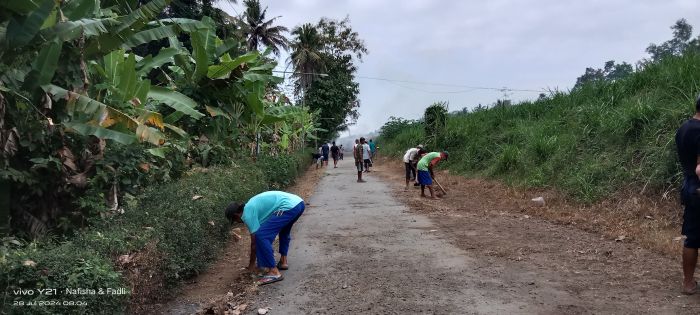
(366, 154)
(325, 148)
(688, 147)
(357, 155)
(335, 153)
(410, 161)
(372, 149)
(342, 152)
(267, 215)
(425, 171)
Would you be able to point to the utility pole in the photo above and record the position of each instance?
(506, 95)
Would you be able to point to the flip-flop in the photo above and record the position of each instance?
(279, 266)
(269, 279)
(691, 292)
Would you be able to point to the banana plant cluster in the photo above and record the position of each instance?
(118, 96)
(77, 67)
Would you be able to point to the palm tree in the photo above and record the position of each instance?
(258, 31)
(306, 55)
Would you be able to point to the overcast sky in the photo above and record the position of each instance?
(525, 44)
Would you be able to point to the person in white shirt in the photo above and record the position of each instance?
(366, 155)
(410, 159)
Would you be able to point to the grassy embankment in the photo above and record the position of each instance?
(588, 144)
(164, 236)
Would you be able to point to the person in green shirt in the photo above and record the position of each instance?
(267, 215)
(425, 171)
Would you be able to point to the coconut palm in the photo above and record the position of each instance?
(258, 31)
(306, 55)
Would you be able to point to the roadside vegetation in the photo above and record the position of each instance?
(126, 126)
(614, 130)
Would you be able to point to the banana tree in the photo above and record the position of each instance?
(122, 105)
(70, 66)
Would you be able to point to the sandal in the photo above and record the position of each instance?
(280, 267)
(269, 279)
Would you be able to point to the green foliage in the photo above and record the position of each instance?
(329, 47)
(306, 56)
(395, 126)
(610, 72)
(259, 31)
(435, 121)
(69, 265)
(679, 44)
(335, 97)
(280, 171)
(587, 143)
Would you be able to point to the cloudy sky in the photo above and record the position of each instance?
(519, 44)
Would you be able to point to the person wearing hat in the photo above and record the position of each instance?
(425, 171)
(688, 147)
(267, 215)
(410, 159)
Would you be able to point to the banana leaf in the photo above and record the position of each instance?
(100, 132)
(70, 30)
(176, 100)
(21, 31)
(23, 7)
(144, 13)
(149, 63)
(151, 35)
(76, 10)
(223, 69)
(44, 66)
(202, 44)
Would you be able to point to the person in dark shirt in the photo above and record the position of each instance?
(325, 149)
(335, 153)
(688, 145)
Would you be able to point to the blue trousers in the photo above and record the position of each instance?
(278, 223)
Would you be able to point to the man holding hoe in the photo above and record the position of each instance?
(266, 215)
(425, 171)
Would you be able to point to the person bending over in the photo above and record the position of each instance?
(267, 215)
(410, 158)
(425, 171)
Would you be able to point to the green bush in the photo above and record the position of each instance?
(280, 171)
(68, 265)
(184, 219)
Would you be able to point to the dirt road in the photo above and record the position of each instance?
(360, 249)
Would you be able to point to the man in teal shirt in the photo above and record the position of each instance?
(266, 215)
(372, 149)
(425, 171)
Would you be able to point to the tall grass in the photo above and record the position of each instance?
(587, 143)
